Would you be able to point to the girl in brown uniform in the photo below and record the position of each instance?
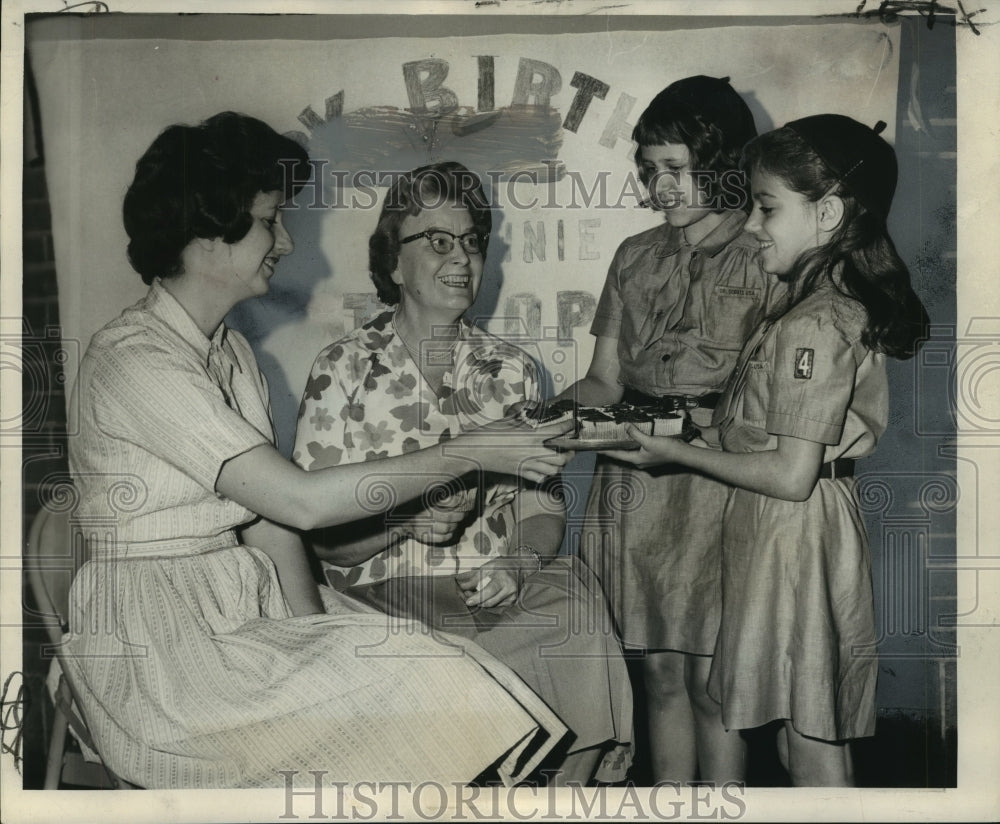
(679, 301)
(808, 397)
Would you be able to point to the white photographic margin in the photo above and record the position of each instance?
(978, 794)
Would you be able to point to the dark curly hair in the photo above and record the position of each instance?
(408, 195)
(200, 182)
(709, 117)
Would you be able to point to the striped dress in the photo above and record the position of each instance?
(192, 672)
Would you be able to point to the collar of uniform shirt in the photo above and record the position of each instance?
(713, 243)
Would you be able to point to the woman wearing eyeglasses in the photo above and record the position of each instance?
(204, 654)
(476, 558)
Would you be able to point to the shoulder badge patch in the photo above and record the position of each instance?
(804, 363)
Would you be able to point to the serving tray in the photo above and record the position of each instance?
(590, 445)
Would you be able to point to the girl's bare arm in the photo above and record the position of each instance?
(600, 386)
(789, 472)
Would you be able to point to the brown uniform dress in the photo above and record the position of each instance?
(681, 314)
(798, 634)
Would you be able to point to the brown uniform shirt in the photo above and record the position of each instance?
(682, 313)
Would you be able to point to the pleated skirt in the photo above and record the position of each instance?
(192, 673)
(797, 639)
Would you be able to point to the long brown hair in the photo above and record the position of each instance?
(861, 253)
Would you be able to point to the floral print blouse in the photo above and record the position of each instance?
(366, 400)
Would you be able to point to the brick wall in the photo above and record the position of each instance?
(43, 390)
(43, 438)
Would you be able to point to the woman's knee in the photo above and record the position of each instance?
(663, 673)
(696, 672)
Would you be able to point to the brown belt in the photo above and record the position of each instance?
(839, 468)
(707, 401)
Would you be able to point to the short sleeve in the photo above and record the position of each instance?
(169, 406)
(608, 315)
(812, 379)
(491, 379)
(320, 431)
(532, 381)
(526, 379)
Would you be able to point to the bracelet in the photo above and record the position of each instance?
(521, 549)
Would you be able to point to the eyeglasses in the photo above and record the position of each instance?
(443, 242)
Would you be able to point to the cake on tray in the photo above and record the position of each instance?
(665, 417)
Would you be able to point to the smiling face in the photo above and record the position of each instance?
(248, 264)
(668, 170)
(245, 267)
(783, 221)
(437, 288)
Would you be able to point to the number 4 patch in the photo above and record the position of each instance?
(804, 363)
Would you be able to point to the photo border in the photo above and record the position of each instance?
(978, 794)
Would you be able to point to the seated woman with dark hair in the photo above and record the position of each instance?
(198, 636)
(476, 558)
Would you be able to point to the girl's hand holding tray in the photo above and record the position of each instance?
(645, 451)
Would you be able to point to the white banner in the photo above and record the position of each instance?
(544, 117)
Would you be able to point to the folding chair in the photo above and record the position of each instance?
(51, 559)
